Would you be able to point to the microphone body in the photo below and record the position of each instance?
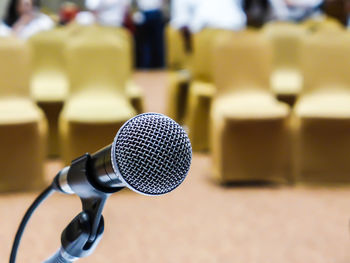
(151, 155)
(98, 170)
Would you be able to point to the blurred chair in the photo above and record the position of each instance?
(49, 83)
(286, 78)
(178, 76)
(176, 52)
(23, 127)
(202, 89)
(98, 105)
(324, 23)
(322, 114)
(249, 127)
(133, 91)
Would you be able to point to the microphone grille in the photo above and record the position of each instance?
(152, 153)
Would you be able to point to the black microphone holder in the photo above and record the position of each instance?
(81, 237)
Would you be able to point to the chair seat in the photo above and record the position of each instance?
(97, 107)
(49, 87)
(324, 105)
(286, 82)
(250, 106)
(203, 89)
(18, 110)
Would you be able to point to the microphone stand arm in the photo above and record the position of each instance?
(81, 237)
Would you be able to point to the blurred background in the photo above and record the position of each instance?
(262, 88)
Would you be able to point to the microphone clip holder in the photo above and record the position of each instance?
(75, 237)
(82, 235)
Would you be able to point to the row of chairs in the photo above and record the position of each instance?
(73, 84)
(231, 108)
(185, 70)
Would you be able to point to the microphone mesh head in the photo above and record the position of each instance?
(152, 153)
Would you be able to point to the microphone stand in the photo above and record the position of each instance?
(81, 237)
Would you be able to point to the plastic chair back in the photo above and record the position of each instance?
(14, 67)
(175, 52)
(242, 62)
(326, 61)
(96, 61)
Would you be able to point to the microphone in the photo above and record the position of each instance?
(151, 155)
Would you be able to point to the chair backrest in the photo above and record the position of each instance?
(14, 67)
(242, 62)
(203, 42)
(175, 49)
(286, 43)
(100, 31)
(47, 49)
(128, 43)
(325, 23)
(96, 61)
(325, 61)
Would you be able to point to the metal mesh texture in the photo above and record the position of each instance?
(153, 153)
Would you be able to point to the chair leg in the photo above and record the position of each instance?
(198, 121)
(177, 98)
(52, 111)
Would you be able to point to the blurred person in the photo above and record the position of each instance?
(347, 10)
(4, 30)
(220, 14)
(25, 20)
(258, 12)
(336, 9)
(149, 33)
(68, 12)
(191, 16)
(85, 18)
(104, 12)
(181, 13)
(296, 10)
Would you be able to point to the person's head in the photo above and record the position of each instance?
(24, 6)
(17, 8)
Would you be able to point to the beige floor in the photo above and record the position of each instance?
(199, 222)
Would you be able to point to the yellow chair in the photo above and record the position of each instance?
(202, 89)
(23, 127)
(322, 114)
(49, 83)
(249, 127)
(324, 23)
(286, 78)
(178, 75)
(98, 104)
(133, 91)
(176, 56)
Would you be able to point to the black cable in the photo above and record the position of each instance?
(45, 194)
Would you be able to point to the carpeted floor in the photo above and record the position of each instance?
(199, 222)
